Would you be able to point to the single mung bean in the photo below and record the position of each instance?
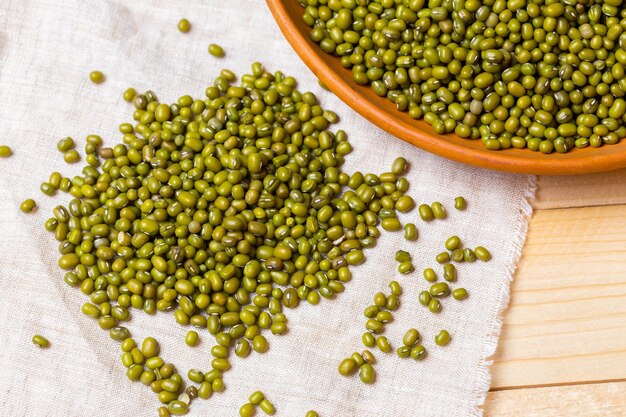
(438, 211)
(367, 373)
(96, 77)
(460, 203)
(65, 144)
(453, 243)
(403, 256)
(28, 205)
(460, 294)
(405, 267)
(443, 257)
(5, 151)
(430, 275)
(72, 156)
(434, 306)
(347, 367)
(411, 337)
(395, 288)
(399, 166)
(383, 344)
(482, 253)
(129, 94)
(312, 413)
(418, 352)
(410, 232)
(449, 272)
(403, 351)
(426, 212)
(424, 298)
(247, 410)
(40, 341)
(216, 50)
(267, 407)
(184, 26)
(442, 338)
(191, 339)
(256, 397)
(368, 357)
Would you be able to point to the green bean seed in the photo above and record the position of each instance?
(460, 203)
(430, 275)
(405, 267)
(403, 351)
(399, 166)
(184, 26)
(5, 151)
(383, 344)
(418, 352)
(403, 256)
(129, 94)
(395, 288)
(267, 407)
(442, 338)
(192, 338)
(40, 341)
(460, 294)
(347, 367)
(311, 413)
(443, 257)
(71, 156)
(96, 77)
(410, 232)
(449, 272)
(65, 144)
(482, 253)
(440, 289)
(367, 373)
(28, 205)
(247, 410)
(453, 243)
(256, 397)
(424, 298)
(426, 212)
(438, 211)
(434, 306)
(368, 357)
(411, 337)
(216, 50)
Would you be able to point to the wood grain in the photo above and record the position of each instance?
(591, 400)
(567, 318)
(598, 189)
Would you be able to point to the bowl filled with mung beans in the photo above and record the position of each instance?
(520, 86)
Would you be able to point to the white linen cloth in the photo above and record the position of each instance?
(47, 49)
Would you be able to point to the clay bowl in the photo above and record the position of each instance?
(288, 15)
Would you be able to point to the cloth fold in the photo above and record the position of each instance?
(47, 49)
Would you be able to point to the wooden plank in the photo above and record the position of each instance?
(589, 400)
(599, 189)
(567, 318)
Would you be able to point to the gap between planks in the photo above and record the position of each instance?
(588, 400)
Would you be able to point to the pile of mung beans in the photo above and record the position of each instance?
(547, 75)
(223, 211)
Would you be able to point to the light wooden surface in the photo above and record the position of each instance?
(563, 345)
(591, 400)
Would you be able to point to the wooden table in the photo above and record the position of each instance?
(563, 346)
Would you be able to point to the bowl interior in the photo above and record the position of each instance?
(379, 110)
